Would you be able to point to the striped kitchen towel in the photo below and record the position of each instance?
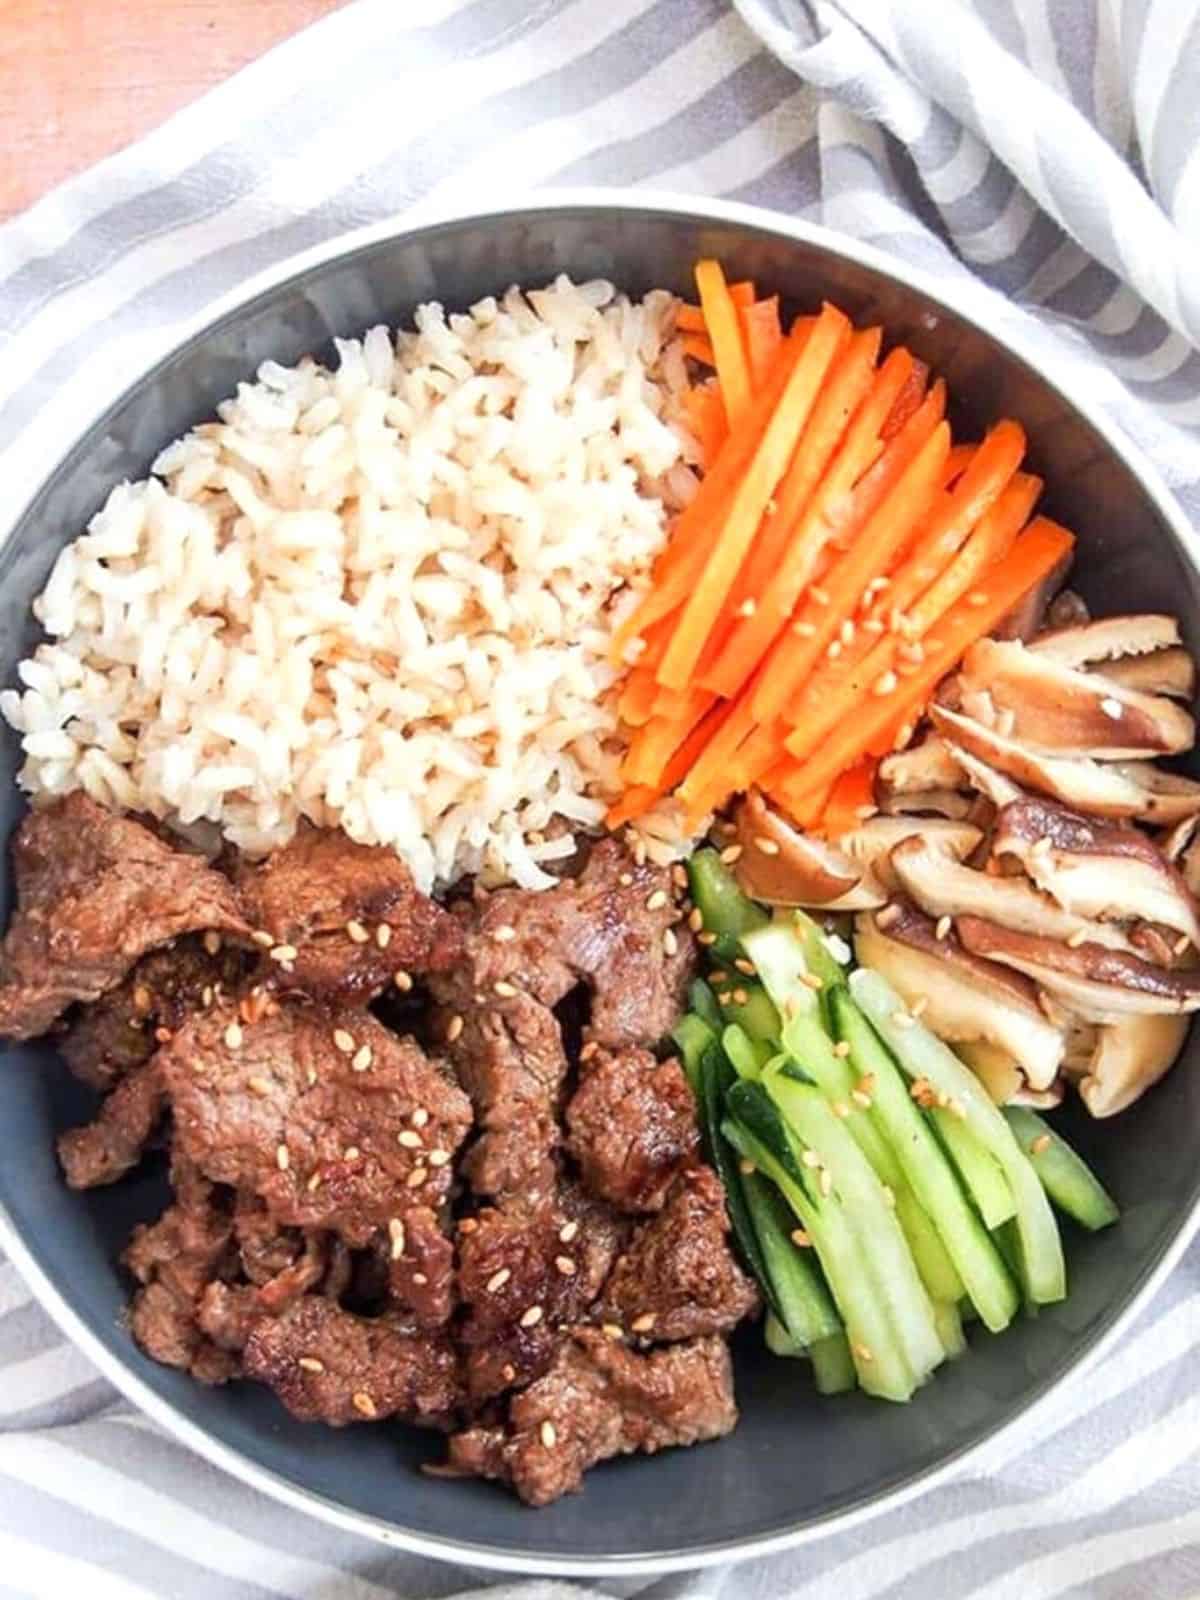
(1041, 155)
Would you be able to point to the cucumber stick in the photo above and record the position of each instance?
(749, 1005)
(703, 1002)
(692, 1037)
(977, 1168)
(923, 1056)
(889, 1260)
(833, 1365)
(803, 1304)
(716, 1076)
(726, 911)
(1066, 1177)
(758, 1132)
(779, 1341)
(979, 1264)
(749, 1056)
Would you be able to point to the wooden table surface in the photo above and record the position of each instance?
(80, 79)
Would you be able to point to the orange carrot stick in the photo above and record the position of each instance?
(763, 334)
(690, 319)
(711, 777)
(725, 331)
(749, 500)
(636, 705)
(1037, 551)
(851, 799)
(636, 801)
(819, 618)
(706, 414)
(908, 401)
(699, 348)
(742, 294)
(655, 744)
(957, 462)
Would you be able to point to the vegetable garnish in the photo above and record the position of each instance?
(841, 553)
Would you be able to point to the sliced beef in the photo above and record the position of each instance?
(174, 1260)
(123, 1028)
(617, 928)
(327, 1365)
(106, 1148)
(228, 1312)
(511, 1061)
(526, 1270)
(350, 912)
(601, 1399)
(632, 1127)
(333, 1121)
(678, 1277)
(421, 1267)
(265, 1248)
(96, 891)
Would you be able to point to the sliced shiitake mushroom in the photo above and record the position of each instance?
(1109, 639)
(1089, 979)
(953, 804)
(1129, 1056)
(1096, 869)
(924, 766)
(1171, 671)
(1106, 789)
(963, 997)
(1063, 711)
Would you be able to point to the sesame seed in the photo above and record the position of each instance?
(549, 1435)
(639, 852)
(142, 998)
(282, 1159)
(351, 1153)
(696, 920)
(819, 597)
(811, 981)
(977, 598)
(1181, 944)
(409, 1139)
(740, 997)
(163, 1035)
(847, 632)
(565, 1265)
(233, 1036)
(889, 1198)
(840, 1109)
(402, 980)
(644, 1323)
(420, 1279)
(874, 625)
(1042, 1142)
(731, 853)
(866, 1083)
(920, 1005)
(504, 934)
(531, 1318)
(212, 942)
(416, 1178)
(825, 1182)
(885, 684)
(383, 936)
(956, 1108)
(311, 1076)
(357, 932)
(863, 1354)
(508, 1372)
(942, 928)
(811, 1159)
(803, 630)
(799, 1237)
(420, 1117)
(767, 846)
(396, 1234)
(344, 1041)
(658, 900)
(454, 1028)
(311, 1364)
(438, 1158)
(590, 1049)
(706, 939)
(497, 1280)
(362, 1059)
(747, 608)
(611, 1330)
(865, 813)
(261, 1086)
(887, 916)
(263, 938)
(364, 1405)
(468, 1225)
(206, 996)
(284, 952)
(670, 941)
(746, 1168)
(626, 880)
(842, 1048)
(861, 1099)
(833, 649)
(901, 1019)
(1074, 940)
(314, 1183)
(506, 991)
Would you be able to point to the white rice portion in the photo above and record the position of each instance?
(380, 597)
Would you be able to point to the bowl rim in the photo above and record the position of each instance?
(955, 298)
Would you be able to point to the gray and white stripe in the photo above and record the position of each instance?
(1039, 154)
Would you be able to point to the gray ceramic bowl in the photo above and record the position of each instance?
(796, 1466)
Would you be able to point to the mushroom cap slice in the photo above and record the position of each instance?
(1107, 789)
(801, 871)
(1094, 868)
(1063, 711)
(1108, 639)
(1171, 671)
(953, 804)
(965, 997)
(928, 765)
(946, 888)
(996, 1070)
(1128, 1057)
(1089, 979)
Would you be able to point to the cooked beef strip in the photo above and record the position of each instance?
(280, 1107)
(526, 1270)
(678, 1278)
(265, 1249)
(327, 1365)
(117, 1033)
(174, 1259)
(632, 1127)
(329, 898)
(600, 1399)
(106, 1148)
(95, 891)
(421, 1267)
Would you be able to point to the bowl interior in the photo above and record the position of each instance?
(795, 1460)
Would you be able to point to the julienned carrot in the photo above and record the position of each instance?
(1038, 550)
(898, 453)
(742, 293)
(698, 525)
(749, 500)
(725, 330)
(690, 319)
(851, 799)
(710, 779)
(873, 646)
(762, 334)
(821, 615)
(907, 401)
(699, 347)
(636, 705)
(958, 461)
(638, 799)
(652, 747)
(819, 481)
(706, 415)
(804, 809)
